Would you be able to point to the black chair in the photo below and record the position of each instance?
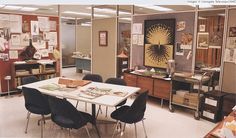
(35, 102)
(116, 81)
(132, 114)
(64, 114)
(91, 77)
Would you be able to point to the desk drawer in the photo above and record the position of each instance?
(130, 79)
(162, 89)
(145, 83)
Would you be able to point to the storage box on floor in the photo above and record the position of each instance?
(186, 98)
(212, 106)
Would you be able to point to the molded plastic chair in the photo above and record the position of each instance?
(66, 115)
(132, 114)
(35, 102)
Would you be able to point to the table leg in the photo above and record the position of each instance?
(94, 110)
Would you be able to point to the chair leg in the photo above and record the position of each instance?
(135, 130)
(106, 110)
(86, 106)
(97, 130)
(122, 132)
(69, 132)
(76, 104)
(144, 129)
(42, 123)
(115, 128)
(27, 123)
(99, 109)
(87, 131)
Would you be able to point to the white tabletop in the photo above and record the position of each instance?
(107, 100)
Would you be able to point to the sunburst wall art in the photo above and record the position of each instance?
(159, 42)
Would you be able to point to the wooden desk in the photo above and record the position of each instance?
(106, 100)
(229, 118)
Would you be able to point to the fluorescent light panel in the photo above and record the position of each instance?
(202, 6)
(63, 17)
(28, 9)
(85, 14)
(2, 5)
(9, 7)
(155, 7)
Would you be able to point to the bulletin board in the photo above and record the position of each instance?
(43, 30)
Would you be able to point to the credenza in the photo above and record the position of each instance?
(157, 87)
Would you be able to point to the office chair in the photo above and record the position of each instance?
(36, 103)
(116, 81)
(91, 77)
(131, 114)
(64, 114)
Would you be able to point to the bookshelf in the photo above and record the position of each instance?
(45, 70)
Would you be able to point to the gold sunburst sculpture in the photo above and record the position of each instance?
(159, 45)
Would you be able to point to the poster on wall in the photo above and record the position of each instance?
(232, 32)
(16, 23)
(216, 39)
(179, 50)
(38, 42)
(202, 28)
(230, 55)
(4, 20)
(135, 39)
(13, 54)
(52, 38)
(53, 25)
(186, 41)
(24, 39)
(137, 28)
(25, 27)
(34, 28)
(231, 42)
(140, 40)
(44, 24)
(44, 52)
(180, 26)
(203, 40)
(15, 39)
(159, 40)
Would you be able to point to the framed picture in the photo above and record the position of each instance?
(203, 40)
(159, 41)
(102, 38)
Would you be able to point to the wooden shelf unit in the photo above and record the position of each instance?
(45, 71)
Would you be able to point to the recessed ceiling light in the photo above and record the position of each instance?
(8, 7)
(155, 7)
(29, 9)
(107, 10)
(85, 24)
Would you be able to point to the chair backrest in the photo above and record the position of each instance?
(29, 79)
(116, 81)
(93, 77)
(139, 104)
(64, 109)
(35, 101)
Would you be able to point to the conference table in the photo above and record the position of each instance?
(112, 94)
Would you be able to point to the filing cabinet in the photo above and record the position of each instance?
(212, 106)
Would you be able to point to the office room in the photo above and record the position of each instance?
(117, 70)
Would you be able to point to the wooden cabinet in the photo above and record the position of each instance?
(162, 89)
(130, 79)
(157, 87)
(145, 83)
